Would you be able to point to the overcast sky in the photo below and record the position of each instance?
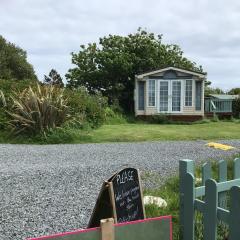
(208, 31)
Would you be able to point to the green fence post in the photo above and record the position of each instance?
(236, 168)
(185, 166)
(210, 213)
(234, 219)
(222, 174)
(206, 172)
(189, 197)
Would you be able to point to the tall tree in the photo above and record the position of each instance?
(209, 90)
(13, 62)
(234, 91)
(110, 66)
(53, 78)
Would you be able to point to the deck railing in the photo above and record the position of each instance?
(218, 105)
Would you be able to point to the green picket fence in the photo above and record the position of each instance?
(218, 202)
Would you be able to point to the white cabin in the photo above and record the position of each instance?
(171, 91)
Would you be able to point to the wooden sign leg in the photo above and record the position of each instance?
(107, 229)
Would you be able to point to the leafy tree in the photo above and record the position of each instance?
(236, 108)
(13, 62)
(234, 91)
(110, 66)
(209, 90)
(53, 78)
(207, 83)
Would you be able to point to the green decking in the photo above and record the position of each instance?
(218, 105)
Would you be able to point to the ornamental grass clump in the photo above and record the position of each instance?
(3, 115)
(37, 110)
(3, 102)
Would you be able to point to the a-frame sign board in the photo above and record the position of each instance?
(120, 198)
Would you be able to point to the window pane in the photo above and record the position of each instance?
(176, 96)
(188, 93)
(163, 95)
(140, 95)
(198, 95)
(151, 93)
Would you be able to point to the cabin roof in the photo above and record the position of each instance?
(195, 73)
(224, 96)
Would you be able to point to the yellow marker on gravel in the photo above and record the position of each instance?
(219, 146)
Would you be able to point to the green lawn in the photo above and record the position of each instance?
(135, 132)
(155, 132)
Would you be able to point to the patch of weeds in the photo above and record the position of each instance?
(204, 120)
(59, 135)
(235, 120)
(215, 118)
(159, 119)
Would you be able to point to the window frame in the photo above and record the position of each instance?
(187, 102)
(138, 103)
(148, 92)
(201, 97)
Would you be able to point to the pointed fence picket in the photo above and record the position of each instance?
(210, 199)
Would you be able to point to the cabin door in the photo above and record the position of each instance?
(170, 96)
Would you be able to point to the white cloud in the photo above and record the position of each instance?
(207, 31)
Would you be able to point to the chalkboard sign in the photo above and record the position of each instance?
(127, 196)
(120, 198)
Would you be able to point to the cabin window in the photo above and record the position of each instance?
(151, 93)
(140, 95)
(170, 75)
(176, 96)
(198, 95)
(188, 93)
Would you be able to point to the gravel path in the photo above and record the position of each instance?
(51, 189)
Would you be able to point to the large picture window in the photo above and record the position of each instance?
(151, 93)
(188, 93)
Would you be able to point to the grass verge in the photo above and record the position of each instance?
(159, 132)
(134, 132)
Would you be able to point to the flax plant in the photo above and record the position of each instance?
(38, 110)
(3, 102)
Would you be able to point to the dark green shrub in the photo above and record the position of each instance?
(159, 119)
(236, 108)
(57, 135)
(13, 62)
(8, 86)
(86, 107)
(95, 110)
(116, 107)
(113, 117)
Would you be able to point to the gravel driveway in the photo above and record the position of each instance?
(51, 189)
